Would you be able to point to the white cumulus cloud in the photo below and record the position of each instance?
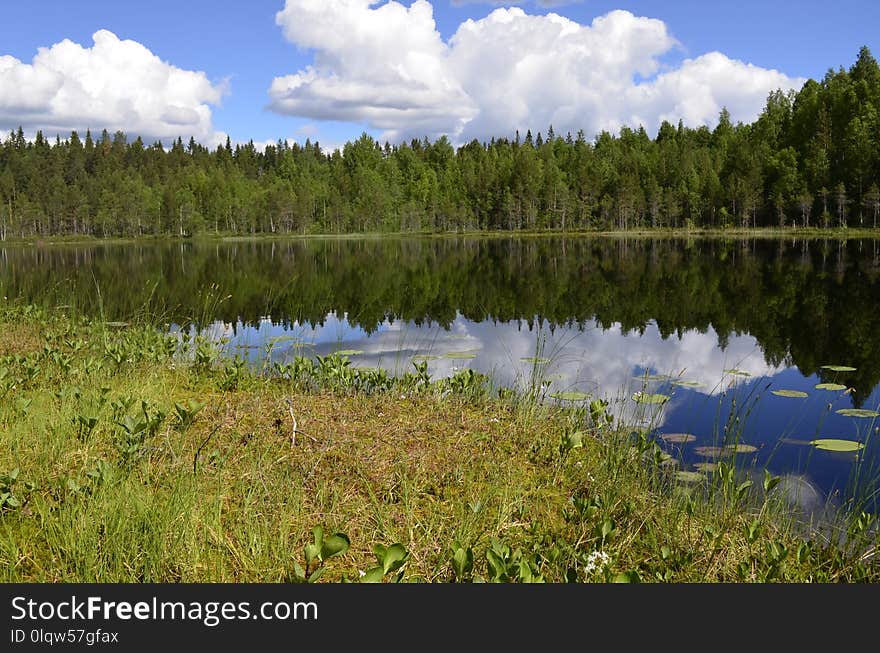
(115, 85)
(386, 65)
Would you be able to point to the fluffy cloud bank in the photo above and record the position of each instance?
(114, 85)
(388, 66)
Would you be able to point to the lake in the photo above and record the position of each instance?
(736, 333)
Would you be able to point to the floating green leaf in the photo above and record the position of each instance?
(688, 477)
(534, 359)
(688, 384)
(647, 398)
(710, 452)
(736, 372)
(460, 354)
(794, 394)
(570, 396)
(832, 444)
(349, 352)
(741, 448)
(425, 357)
(839, 368)
(830, 386)
(705, 467)
(857, 412)
(678, 438)
(654, 377)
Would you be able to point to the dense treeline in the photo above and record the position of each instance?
(812, 158)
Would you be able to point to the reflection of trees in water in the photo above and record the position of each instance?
(806, 302)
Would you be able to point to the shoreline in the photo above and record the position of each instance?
(770, 233)
(127, 460)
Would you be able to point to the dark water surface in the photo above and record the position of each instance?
(727, 321)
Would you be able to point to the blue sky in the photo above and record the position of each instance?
(397, 74)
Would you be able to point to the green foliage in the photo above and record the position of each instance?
(390, 559)
(13, 491)
(812, 152)
(316, 554)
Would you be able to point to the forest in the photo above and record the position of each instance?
(811, 159)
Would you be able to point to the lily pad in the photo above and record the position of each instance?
(795, 394)
(706, 467)
(688, 384)
(653, 377)
(534, 359)
(425, 357)
(350, 352)
(857, 412)
(460, 355)
(647, 398)
(570, 396)
(741, 448)
(736, 372)
(832, 444)
(678, 438)
(830, 386)
(278, 339)
(711, 452)
(839, 368)
(689, 477)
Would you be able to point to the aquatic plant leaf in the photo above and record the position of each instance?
(832, 444)
(711, 452)
(830, 386)
(349, 352)
(688, 384)
(741, 448)
(795, 394)
(460, 354)
(705, 467)
(857, 412)
(655, 377)
(736, 372)
(647, 398)
(678, 438)
(570, 396)
(688, 477)
(534, 359)
(425, 357)
(839, 368)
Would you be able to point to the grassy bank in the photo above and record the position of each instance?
(123, 459)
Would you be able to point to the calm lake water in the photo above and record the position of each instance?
(717, 326)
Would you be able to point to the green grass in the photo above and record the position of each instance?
(125, 459)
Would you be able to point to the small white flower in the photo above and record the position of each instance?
(596, 561)
(494, 420)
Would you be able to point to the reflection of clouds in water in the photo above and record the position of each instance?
(601, 362)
